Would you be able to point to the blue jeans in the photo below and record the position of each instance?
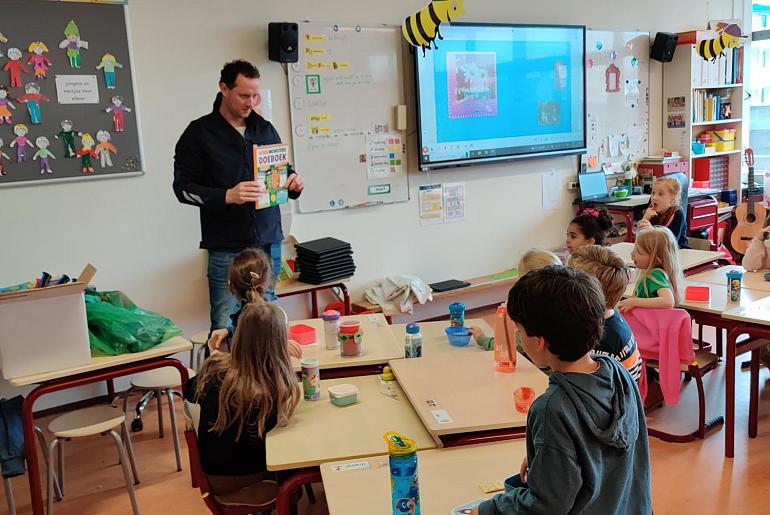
(222, 302)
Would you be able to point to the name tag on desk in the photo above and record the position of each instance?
(441, 416)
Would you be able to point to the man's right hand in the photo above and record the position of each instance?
(246, 191)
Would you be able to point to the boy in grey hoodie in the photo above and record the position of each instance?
(587, 449)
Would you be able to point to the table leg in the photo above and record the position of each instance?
(110, 390)
(314, 303)
(629, 226)
(292, 483)
(33, 464)
(754, 396)
(732, 338)
(346, 298)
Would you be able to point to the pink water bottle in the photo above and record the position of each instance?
(505, 341)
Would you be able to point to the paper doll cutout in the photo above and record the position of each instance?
(117, 108)
(73, 44)
(104, 149)
(3, 39)
(108, 64)
(3, 154)
(44, 154)
(32, 98)
(86, 152)
(21, 141)
(37, 60)
(14, 67)
(5, 114)
(67, 136)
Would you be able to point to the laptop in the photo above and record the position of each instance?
(593, 188)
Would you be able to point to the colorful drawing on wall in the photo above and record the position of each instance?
(108, 64)
(32, 98)
(43, 154)
(117, 109)
(86, 152)
(21, 141)
(73, 44)
(14, 67)
(5, 103)
(472, 84)
(104, 149)
(3, 155)
(67, 136)
(730, 37)
(612, 79)
(422, 28)
(37, 59)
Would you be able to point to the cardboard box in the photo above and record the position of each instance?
(44, 329)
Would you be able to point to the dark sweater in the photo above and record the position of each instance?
(211, 157)
(222, 455)
(675, 222)
(587, 449)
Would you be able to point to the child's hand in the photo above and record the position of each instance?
(649, 213)
(643, 224)
(763, 233)
(523, 471)
(475, 331)
(216, 339)
(295, 349)
(626, 305)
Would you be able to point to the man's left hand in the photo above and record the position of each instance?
(294, 183)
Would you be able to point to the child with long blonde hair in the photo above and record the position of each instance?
(248, 278)
(665, 209)
(659, 278)
(243, 394)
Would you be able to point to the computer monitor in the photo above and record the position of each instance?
(593, 185)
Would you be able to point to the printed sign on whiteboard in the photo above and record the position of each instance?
(77, 89)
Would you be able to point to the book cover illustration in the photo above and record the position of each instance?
(271, 169)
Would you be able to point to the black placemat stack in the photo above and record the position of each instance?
(324, 260)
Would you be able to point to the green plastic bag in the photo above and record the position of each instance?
(118, 326)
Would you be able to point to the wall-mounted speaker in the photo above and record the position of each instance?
(282, 42)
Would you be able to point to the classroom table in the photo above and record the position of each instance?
(753, 320)
(320, 432)
(435, 341)
(98, 369)
(464, 386)
(291, 287)
(448, 478)
(688, 258)
(751, 280)
(379, 347)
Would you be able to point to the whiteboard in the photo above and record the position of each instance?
(344, 92)
(617, 97)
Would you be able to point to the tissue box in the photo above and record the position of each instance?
(343, 394)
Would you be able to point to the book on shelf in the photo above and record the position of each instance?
(727, 69)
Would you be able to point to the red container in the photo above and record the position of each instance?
(302, 334)
(660, 169)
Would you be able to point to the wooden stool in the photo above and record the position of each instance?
(157, 383)
(99, 420)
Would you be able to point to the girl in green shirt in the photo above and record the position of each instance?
(659, 280)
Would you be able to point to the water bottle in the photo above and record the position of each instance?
(404, 480)
(505, 341)
(413, 341)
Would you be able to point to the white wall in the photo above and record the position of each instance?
(145, 243)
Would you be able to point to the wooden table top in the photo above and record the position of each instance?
(167, 348)
(688, 258)
(320, 431)
(448, 478)
(467, 389)
(379, 344)
(750, 280)
(757, 312)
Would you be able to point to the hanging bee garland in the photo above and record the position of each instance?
(730, 37)
(422, 28)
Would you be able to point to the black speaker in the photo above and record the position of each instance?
(282, 42)
(663, 47)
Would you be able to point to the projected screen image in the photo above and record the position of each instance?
(493, 92)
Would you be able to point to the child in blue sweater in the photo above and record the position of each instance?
(587, 449)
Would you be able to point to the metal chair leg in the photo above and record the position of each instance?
(9, 496)
(174, 433)
(60, 465)
(159, 399)
(49, 452)
(126, 473)
(130, 449)
(44, 447)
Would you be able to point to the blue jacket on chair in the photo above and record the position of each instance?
(11, 437)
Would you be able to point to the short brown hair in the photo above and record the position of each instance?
(564, 306)
(604, 264)
(231, 70)
(250, 275)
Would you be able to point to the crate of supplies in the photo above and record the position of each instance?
(712, 169)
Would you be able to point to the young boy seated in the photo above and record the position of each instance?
(611, 271)
(587, 446)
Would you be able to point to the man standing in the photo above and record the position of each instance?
(214, 170)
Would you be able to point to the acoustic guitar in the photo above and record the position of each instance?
(750, 215)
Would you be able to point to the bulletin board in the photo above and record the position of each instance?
(617, 97)
(344, 93)
(103, 28)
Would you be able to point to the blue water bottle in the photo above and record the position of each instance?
(413, 342)
(404, 482)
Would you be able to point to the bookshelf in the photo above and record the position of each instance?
(694, 91)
